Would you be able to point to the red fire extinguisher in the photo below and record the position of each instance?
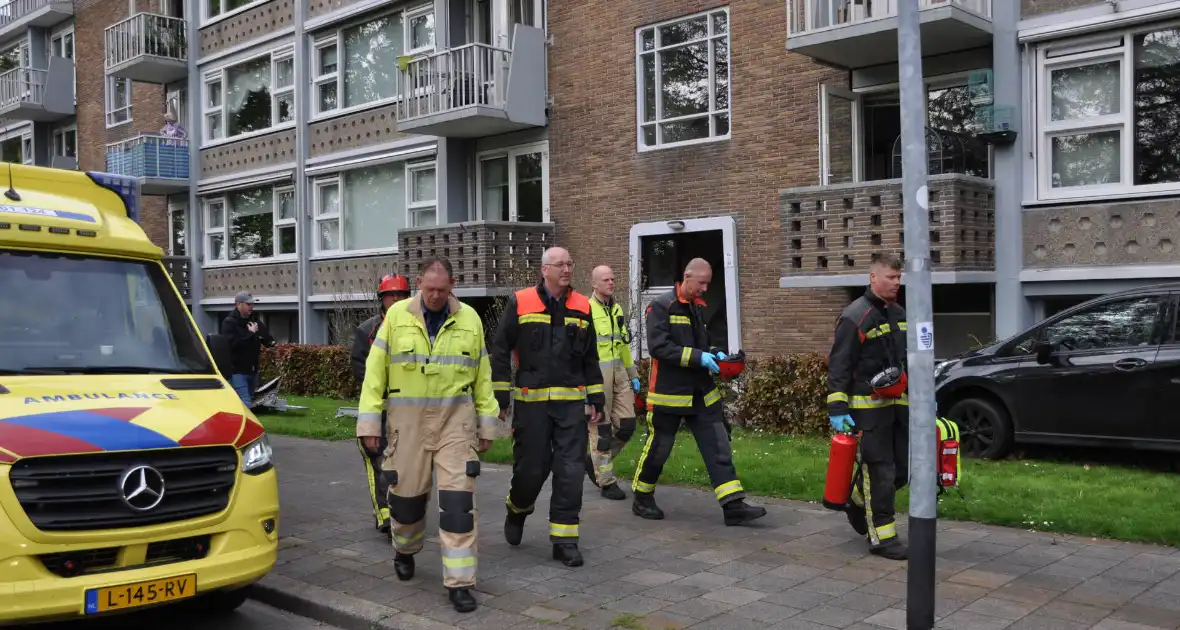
(841, 459)
(948, 463)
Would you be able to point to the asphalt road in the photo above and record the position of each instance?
(251, 616)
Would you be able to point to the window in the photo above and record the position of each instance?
(683, 70)
(364, 208)
(17, 149)
(217, 8)
(252, 96)
(62, 44)
(357, 65)
(65, 142)
(118, 95)
(176, 230)
(514, 184)
(1119, 324)
(260, 224)
(1105, 115)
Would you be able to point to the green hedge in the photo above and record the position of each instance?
(778, 394)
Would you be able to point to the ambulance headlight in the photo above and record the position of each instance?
(257, 457)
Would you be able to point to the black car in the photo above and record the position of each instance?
(1103, 373)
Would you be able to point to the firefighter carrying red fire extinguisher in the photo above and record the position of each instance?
(867, 393)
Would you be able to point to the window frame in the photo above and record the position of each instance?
(218, 77)
(337, 179)
(111, 108)
(61, 133)
(335, 39)
(173, 210)
(222, 199)
(27, 142)
(319, 216)
(712, 112)
(1078, 52)
(417, 206)
(511, 153)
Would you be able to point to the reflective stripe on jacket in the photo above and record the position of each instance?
(553, 345)
(677, 338)
(613, 336)
(870, 337)
(430, 384)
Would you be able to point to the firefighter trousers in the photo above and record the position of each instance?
(549, 436)
(609, 438)
(708, 428)
(883, 467)
(372, 474)
(408, 469)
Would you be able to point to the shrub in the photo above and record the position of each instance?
(311, 370)
(785, 394)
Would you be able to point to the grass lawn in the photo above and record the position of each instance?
(1102, 500)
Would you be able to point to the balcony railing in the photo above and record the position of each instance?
(146, 35)
(467, 76)
(161, 161)
(812, 15)
(22, 85)
(17, 9)
(493, 257)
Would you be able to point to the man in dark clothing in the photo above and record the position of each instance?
(246, 337)
(393, 289)
(870, 340)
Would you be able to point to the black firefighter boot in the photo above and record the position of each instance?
(514, 527)
(403, 566)
(568, 554)
(738, 512)
(613, 492)
(644, 506)
(857, 517)
(462, 599)
(891, 549)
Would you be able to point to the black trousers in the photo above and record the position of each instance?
(884, 465)
(377, 494)
(708, 427)
(549, 436)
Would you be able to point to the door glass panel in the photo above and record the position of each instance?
(1121, 324)
(495, 189)
(838, 124)
(529, 192)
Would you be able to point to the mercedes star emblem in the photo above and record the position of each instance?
(142, 488)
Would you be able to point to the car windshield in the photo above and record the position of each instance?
(76, 314)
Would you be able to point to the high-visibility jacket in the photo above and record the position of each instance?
(870, 337)
(677, 339)
(552, 343)
(429, 383)
(614, 337)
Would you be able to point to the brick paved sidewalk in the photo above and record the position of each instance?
(800, 568)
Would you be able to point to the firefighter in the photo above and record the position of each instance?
(681, 386)
(393, 288)
(429, 369)
(870, 339)
(620, 381)
(549, 331)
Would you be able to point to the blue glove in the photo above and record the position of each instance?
(841, 423)
(709, 362)
(721, 356)
(635, 385)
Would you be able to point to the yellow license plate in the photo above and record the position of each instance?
(122, 597)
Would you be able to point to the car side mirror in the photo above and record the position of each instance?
(1044, 352)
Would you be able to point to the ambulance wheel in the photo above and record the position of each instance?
(984, 426)
(225, 602)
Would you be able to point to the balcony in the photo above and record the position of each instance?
(179, 267)
(476, 90)
(20, 14)
(38, 95)
(833, 230)
(148, 48)
(160, 163)
(859, 33)
(489, 257)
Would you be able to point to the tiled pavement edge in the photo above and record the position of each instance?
(800, 568)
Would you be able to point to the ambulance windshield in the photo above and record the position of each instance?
(69, 314)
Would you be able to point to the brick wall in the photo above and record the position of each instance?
(600, 185)
(91, 17)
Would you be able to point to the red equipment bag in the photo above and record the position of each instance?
(841, 461)
(950, 465)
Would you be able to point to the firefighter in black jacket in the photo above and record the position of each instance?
(548, 329)
(393, 288)
(866, 385)
(681, 386)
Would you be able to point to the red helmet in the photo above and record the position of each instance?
(393, 283)
(732, 365)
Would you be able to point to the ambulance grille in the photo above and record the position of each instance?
(82, 492)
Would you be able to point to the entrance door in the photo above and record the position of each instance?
(839, 133)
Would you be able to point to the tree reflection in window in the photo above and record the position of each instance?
(1157, 117)
(248, 96)
(370, 60)
(1120, 324)
(251, 223)
(949, 112)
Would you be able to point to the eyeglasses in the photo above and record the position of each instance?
(564, 265)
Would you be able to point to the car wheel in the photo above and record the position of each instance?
(985, 431)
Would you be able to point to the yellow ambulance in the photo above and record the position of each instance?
(131, 475)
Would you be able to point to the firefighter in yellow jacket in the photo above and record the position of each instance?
(620, 382)
(429, 369)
